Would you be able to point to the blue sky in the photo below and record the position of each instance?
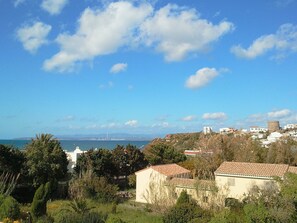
(145, 67)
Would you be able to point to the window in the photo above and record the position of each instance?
(231, 181)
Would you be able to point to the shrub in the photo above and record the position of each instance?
(41, 196)
(9, 208)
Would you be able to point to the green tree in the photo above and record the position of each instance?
(98, 162)
(11, 160)
(9, 208)
(162, 153)
(184, 211)
(128, 160)
(46, 160)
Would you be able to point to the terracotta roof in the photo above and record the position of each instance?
(252, 169)
(170, 169)
(292, 169)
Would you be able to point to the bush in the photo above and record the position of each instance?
(114, 219)
(41, 196)
(72, 217)
(93, 187)
(9, 208)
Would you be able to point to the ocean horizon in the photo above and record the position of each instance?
(70, 145)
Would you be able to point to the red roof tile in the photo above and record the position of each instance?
(170, 169)
(252, 169)
(292, 169)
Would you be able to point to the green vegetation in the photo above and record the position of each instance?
(92, 193)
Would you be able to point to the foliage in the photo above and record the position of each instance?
(41, 196)
(183, 198)
(162, 153)
(90, 186)
(128, 160)
(46, 160)
(184, 211)
(114, 220)
(9, 207)
(79, 206)
(72, 217)
(11, 160)
(98, 162)
(268, 205)
(7, 183)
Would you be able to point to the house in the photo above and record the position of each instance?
(151, 182)
(257, 129)
(72, 158)
(235, 179)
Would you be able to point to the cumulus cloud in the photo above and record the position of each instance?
(161, 125)
(33, 36)
(283, 42)
(131, 123)
(214, 116)
(279, 114)
(99, 33)
(53, 7)
(119, 67)
(201, 78)
(176, 32)
(189, 118)
(172, 30)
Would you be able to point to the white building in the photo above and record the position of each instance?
(290, 126)
(72, 158)
(151, 182)
(236, 179)
(207, 130)
(257, 129)
(227, 130)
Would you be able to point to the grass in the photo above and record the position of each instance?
(129, 211)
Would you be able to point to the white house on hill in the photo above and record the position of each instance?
(151, 182)
(72, 158)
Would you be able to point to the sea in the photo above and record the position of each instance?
(70, 145)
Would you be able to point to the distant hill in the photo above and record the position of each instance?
(180, 141)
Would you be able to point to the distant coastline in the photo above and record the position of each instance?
(83, 144)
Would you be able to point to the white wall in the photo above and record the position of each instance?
(149, 184)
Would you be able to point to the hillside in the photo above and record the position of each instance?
(180, 141)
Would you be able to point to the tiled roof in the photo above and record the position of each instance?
(170, 169)
(292, 169)
(252, 169)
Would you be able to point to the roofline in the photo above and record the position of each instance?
(246, 176)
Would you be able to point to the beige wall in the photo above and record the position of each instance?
(237, 187)
(149, 185)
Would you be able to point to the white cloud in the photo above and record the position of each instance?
(283, 42)
(66, 118)
(215, 116)
(18, 2)
(201, 78)
(177, 31)
(189, 118)
(53, 7)
(131, 123)
(119, 67)
(174, 31)
(99, 33)
(33, 36)
(161, 125)
(280, 113)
